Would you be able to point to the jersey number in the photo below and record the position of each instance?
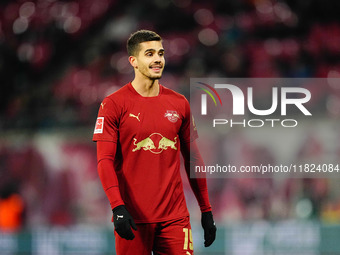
(187, 240)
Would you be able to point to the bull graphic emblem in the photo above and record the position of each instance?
(148, 144)
(165, 143)
(172, 116)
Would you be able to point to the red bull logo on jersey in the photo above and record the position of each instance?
(172, 116)
(155, 143)
(146, 144)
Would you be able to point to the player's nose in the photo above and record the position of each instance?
(158, 59)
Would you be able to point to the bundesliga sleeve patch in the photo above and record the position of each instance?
(99, 125)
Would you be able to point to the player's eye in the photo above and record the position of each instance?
(149, 54)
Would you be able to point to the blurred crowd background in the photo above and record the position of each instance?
(59, 59)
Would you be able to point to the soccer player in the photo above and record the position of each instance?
(140, 131)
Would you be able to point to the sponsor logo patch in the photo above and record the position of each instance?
(155, 143)
(99, 125)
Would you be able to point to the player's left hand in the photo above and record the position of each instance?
(209, 227)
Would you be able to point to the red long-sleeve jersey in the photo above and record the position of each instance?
(139, 143)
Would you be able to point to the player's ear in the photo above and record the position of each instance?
(133, 61)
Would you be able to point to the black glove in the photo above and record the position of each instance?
(123, 222)
(209, 227)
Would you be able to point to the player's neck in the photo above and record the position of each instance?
(146, 88)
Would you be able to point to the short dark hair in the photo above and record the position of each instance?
(138, 37)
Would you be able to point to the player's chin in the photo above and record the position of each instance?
(155, 76)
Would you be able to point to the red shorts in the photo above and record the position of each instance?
(163, 238)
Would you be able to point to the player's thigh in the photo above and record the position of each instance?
(142, 243)
(174, 238)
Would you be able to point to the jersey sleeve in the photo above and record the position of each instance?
(107, 174)
(198, 183)
(188, 131)
(107, 123)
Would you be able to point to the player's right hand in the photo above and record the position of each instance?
(123, 222)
